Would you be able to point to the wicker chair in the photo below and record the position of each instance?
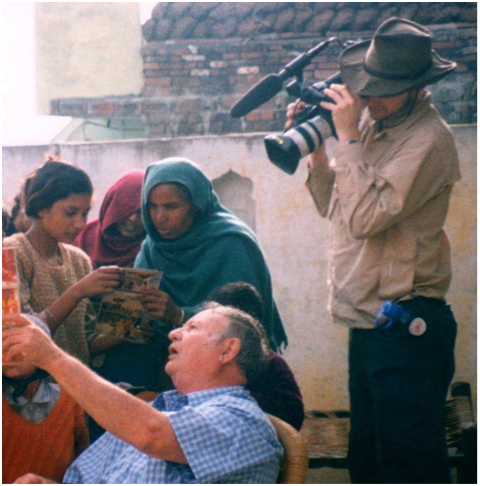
(294, 467)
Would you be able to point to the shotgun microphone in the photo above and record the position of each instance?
(272, 84)
(259, 94)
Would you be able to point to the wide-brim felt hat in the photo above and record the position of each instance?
(398, 58)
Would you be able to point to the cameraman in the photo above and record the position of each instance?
(387, 194)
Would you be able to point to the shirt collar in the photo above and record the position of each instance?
(43, 395)
(417, 113)
(172, 400)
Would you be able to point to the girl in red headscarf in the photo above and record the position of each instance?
(114, 238)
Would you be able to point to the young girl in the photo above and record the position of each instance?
(55, 276)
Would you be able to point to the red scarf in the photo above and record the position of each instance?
(98, 239)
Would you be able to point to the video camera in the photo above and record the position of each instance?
(311, 127)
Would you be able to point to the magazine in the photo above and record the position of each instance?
(121, 313)
(10, 283)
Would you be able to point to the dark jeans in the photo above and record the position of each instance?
(398, 386)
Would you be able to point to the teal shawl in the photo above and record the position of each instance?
(217, 249)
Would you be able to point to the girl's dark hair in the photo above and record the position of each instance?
(16, 206)
(241, 295)
(52, 182)
(5, 218)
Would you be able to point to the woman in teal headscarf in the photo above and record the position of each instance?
(198, 245)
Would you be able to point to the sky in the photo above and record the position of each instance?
(20, 123)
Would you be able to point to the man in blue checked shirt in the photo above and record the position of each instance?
(207, 430)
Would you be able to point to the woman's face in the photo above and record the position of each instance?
(66, 218)
(171, 212)
(131, 226)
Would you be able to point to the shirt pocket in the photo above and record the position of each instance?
(397, 269)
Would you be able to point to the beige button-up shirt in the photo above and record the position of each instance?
(387, 200)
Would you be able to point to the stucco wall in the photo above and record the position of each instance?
(87, 49)
(294, 239)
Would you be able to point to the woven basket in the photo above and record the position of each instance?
(326, 434)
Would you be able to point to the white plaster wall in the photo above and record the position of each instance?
(294, 239)
(461, 228)
(98, 55)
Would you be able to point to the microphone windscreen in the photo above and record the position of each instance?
(259, 94)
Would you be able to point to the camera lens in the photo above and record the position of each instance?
(285, 151)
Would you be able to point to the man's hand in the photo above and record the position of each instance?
(27, 340)
(31, 478)
(13, 320)
(319, 156)
(293, 109)
(346, 111)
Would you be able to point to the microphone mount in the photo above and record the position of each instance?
(272, 84)
(295, 67)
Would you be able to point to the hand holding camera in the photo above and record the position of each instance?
(310, 122)
(346, 109)
(293, 110)
(311, 127)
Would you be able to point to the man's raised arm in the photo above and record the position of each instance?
(122, 414)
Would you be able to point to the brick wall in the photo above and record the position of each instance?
(224, 20)
(191, 84)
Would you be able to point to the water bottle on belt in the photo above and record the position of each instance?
(391, 312)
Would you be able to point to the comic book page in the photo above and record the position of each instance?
(10, 283)
(121, 313)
